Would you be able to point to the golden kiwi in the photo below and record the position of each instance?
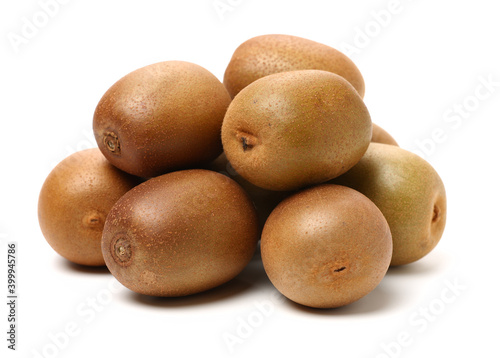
(264, 55)
(180, 233)
(410, 194)
(326, 246)
(293, 129)
(160, 118)
(74, 202)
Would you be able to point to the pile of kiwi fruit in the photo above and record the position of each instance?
(191, 173)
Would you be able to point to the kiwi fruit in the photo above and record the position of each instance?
(264, 55)
(292, 129)
(264, 200)
(160, 118)
(410, 194)
(326, 246)
(74, 202)
(380, 135)
(180, 233)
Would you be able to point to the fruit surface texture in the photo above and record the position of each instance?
(410, 194)
(264, 200)
(180, 233)
(293, 129)
(74, 202)
(264, 55)
(326, 246)
(160, 118)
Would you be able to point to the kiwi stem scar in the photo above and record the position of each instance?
(435, 214)
(122, 251)
(248, 141)
(340, 269)
(111, 142)
(93, 220)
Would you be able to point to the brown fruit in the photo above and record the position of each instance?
(74, 202)
(293, 129)
(264, 200)
(180, 233)
(264, 55)
(410, 194)
(161, 118)
(380, 135)
(326, 246)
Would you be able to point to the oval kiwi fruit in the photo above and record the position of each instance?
(410, 194)
(160, 118)
(264, 55)
(292, 129)
(74, 202)
(326, 246)
(180, 233)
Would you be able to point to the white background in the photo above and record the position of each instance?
(422, 65)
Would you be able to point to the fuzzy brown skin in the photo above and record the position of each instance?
(264, 55)
(293, 129)
(264, 200)
(326, 246)
(380, 135)
(410, 194)
(180, 233)
(74, 202)
(161, 118)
